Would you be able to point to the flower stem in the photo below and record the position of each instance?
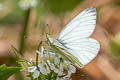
(24, 31)
(50, 75)
(40, 44)
(22, 41)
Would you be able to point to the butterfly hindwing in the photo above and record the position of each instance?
(85, 50)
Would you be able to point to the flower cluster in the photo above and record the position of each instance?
(51, 66)
(26, 4)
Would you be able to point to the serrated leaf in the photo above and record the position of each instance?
(6, 72)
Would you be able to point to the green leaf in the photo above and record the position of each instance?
(16, 52)
(6, 72)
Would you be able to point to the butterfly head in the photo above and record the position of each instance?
(50, 39)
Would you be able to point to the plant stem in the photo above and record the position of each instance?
(24, 31)
(22, 39)
(50, 75)
(40, 44)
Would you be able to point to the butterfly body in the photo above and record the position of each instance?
(74, 42)
(58, 48)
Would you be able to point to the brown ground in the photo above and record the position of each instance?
(103, 67)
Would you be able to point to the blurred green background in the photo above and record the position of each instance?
(16, 23)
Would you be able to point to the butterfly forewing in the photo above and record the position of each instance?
(84, 23)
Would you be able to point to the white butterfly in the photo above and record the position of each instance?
(74, 42)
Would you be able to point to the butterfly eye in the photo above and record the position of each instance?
(50, 39)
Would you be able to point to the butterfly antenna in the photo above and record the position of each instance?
(34, 39)
(30, 38)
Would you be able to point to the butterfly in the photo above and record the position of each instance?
(74, 42)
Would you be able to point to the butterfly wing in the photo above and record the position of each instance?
(84, 50)
(75, 36)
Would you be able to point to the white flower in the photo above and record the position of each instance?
(30, 60)
(48, 62)
(42, 50)
(69, 74)
(38, 52)
(51, 54)
(58, 78)
(56, 60)
(67, 77)
(51, 62)
(43, 55)
(61, 66)
(26, 4)
(32, 69)
(36, 74)
(58, 72)
(43, 70)
(72, 69)
(52, 66)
